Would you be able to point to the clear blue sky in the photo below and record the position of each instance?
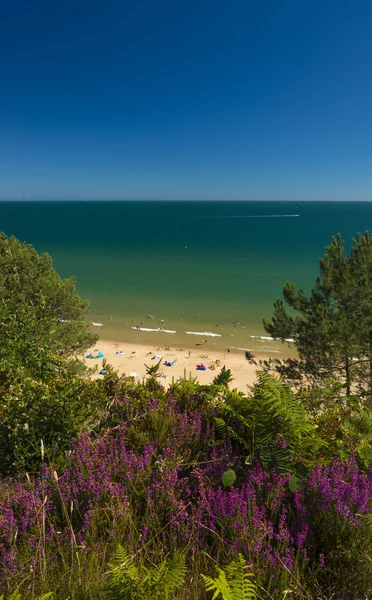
(186, 100)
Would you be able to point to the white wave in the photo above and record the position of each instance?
(245, 349)
(158, 329)
(269, 339)
(251, 350)
(203, 333)
(98, 324)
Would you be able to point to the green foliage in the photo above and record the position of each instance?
(348, 565)
(190, 395)
(332, 327)
(53, 410)
(45, 395)
(228, 478)
(359, 436)
(348, 430)
(223, 378)
(16, 595)
(232, 583)
(129, 582)
(153, 369)
(42, 319)
(273, 426)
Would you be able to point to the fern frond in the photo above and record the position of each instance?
(16, 595)
(280, 401)
(122, 568)
(240, 580)
(158, 582)
(233, 582)
(222, 426)
(362, 424)
(219, 585)
(173, 575)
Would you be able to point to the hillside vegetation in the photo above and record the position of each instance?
(116, 490)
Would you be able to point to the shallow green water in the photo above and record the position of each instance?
(226, 261)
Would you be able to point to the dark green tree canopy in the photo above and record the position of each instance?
(332, 326)
(40, 313)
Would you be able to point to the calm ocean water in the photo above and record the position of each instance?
(224, 261)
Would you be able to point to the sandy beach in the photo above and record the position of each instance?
(130, 358)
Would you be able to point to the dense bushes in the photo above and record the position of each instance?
(149, 475)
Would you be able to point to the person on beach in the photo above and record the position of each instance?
(228, 349)
(189, 353)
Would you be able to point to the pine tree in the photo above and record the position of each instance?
(332, 327)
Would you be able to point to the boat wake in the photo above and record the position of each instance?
(245, 217)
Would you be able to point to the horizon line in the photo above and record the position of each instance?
(41, 200)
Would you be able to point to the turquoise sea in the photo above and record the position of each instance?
(224, 261)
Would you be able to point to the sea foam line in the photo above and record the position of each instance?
(269, 339)
(158, 329)
(251, 350)
(245, 349)
(203, 333)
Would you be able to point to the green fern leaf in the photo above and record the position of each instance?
(232, 583)
(174, 574)
(131, 583)
(220, 586)
(16, 595)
